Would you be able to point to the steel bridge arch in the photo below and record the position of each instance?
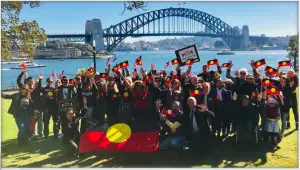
(117, 33)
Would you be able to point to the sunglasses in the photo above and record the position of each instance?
(242, 73)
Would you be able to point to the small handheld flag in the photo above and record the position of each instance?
(272, 90)
(138, 61)
(114, 59)
(270, 70)
(195, 93)
(115, 69)
(168, 79)
(284, 63)
(53, 74)
(167, 65)
(189, 62)
(212, 62)
(267, 82)
(259, 63)
(225, 65)
(103, 75)
(22, 64)
(174, 62)
(124, 64)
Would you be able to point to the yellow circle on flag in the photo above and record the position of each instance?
(115, 68)
(273, 90)
(169, 111)
(103, 75)
(225, 65)
(270, 70)
(118, 133)
(267, 81)
(188, 62)
(140, 62)
(253, 94)
(50, 93)
(126, 94)
(124, 64)
(284, 63)
(211, 62)
(114, 96)
(175, 61)
(196, 91)
(258, 63)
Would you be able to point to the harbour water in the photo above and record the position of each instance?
(241, 59)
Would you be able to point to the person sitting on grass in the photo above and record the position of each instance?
(71, 135)
(22, 108)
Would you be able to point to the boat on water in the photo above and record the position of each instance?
(226, 53)
(34, 65)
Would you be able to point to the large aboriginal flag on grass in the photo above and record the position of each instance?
(121, 137)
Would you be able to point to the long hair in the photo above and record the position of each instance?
(115, 87)
(177, 82)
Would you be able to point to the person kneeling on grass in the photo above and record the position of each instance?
(173, 123)
(71, 135)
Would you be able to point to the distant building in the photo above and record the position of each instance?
(237, 29)
(68, 52)
(245, 34)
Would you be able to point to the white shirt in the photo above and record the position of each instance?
(195, 126)
(65, 93)
(220, 92)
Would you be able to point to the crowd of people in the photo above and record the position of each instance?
(190, 110)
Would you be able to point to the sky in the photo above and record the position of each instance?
(269, 18)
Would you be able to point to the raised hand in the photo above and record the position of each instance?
(158, 103)
(41, 76)
(203, 107)
(260, 96)
(152, 66)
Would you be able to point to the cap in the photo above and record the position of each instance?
(65, 77)
(78, 78)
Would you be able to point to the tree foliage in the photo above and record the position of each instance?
(135, 5)
(293, 51)
(25, 35)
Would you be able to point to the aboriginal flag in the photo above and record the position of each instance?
(138, 61)
(189, 62)
(103, 75)
(195, 93)
(147, 77)
(115, 68)
(168, 113)
(270, 70)
(267, 82)
(225, 65)
(124, 64)
(174, 62)
(212, 62)
(254, 95)
(272, 90)
(259, 63)
(284, 63)
(121, 137)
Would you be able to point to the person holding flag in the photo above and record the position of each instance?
(50, 108)
(208, 75)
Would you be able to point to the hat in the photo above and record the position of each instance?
(65, 77)
(245, 97)
(272, 101)
(78, 78)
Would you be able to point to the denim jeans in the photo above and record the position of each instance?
(23, 127)
(284, 117)
(40, 123)
(172, 142)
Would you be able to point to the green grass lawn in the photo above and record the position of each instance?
(49, 153)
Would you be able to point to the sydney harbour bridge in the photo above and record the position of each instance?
(163, 22)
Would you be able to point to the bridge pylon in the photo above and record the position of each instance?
(94, 28)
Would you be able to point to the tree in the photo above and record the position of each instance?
(134, 5)
(27, 36)
(293, 51)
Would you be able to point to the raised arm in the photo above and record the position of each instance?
(19, 79)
